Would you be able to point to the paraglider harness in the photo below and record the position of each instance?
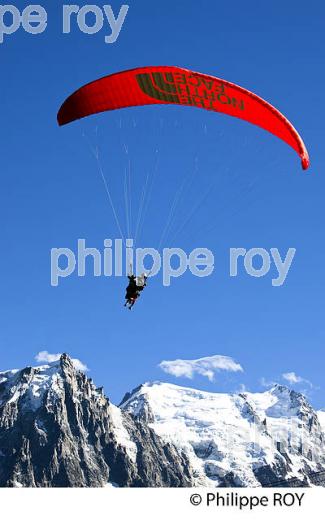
(134, 289)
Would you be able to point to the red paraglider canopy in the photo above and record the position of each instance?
(174, 85)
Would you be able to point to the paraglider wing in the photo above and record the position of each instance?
(174, 85)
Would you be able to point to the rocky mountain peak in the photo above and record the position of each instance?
(58, 429)
(66, 363)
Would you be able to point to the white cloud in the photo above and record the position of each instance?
(45, 357)
(290, 377)
(267, 384)
(294, 379)
(242, 389)
(206, 367)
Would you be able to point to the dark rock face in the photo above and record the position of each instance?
(58, 430)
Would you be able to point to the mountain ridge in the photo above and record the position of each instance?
(240, 439)
(57, 429)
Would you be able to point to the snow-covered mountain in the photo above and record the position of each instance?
(58, 429)
(321, 418)
(270, 438)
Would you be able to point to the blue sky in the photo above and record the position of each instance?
(249, 187)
